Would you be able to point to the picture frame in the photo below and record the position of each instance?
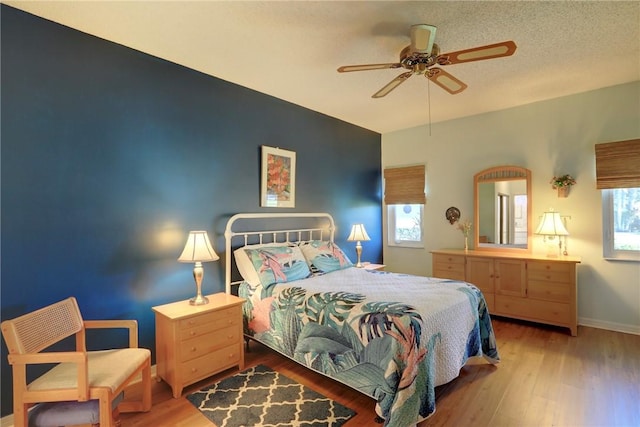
(278, 181)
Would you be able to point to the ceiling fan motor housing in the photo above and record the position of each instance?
(416, 61)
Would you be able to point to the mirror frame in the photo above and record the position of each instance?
(501, 173)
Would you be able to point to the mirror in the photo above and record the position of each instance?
(502, 209)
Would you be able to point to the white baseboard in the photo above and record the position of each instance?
(611, 326)
(7, 421)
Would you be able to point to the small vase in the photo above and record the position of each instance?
(563, 191)
(466, 243)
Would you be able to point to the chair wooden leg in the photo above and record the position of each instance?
(20, 412)
(146, 387)
(105, 411)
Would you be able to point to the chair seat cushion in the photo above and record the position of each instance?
(107, 368)
(53, 414)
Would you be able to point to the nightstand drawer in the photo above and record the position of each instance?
(196, 347)
(220, 318)
(206, 365)
(216, 324)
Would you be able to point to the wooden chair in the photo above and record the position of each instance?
(78, 375)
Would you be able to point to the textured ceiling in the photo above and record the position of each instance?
(291, 49)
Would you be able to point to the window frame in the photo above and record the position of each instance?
(608, 233)
(391, 225)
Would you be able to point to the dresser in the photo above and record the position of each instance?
(520, 286)
(195, 342)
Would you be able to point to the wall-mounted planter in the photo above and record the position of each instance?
(563, 191)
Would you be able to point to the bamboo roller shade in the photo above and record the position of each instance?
(404, 185)
(618, 164)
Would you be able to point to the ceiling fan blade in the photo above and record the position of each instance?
(365, 67)
(497, 50)
(392, 85)
(422, 38)
(445, 80)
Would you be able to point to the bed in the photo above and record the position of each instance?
(394, 337)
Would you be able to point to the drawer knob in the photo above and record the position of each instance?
(194, 369)
(193, 349)
(192, 333)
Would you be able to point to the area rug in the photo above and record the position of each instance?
(261, 397)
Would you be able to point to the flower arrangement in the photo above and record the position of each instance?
(465, 227)
(562, 181)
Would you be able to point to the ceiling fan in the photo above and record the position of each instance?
(422, 56)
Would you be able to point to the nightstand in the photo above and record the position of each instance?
(194, 342)
(370, 266)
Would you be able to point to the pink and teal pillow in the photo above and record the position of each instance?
(324, 256)
(278, 264)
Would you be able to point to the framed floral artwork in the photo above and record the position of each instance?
(278, 185)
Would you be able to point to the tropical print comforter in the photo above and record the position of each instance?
(394, 337)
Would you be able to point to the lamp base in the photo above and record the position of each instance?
(358, 253)
(199, 300)
(198, 273)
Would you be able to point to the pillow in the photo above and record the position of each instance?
(244, 264)
(278, 264)
(324, 256)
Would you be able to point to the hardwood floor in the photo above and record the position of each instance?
(545, 378)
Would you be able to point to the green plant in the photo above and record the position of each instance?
(562, 181)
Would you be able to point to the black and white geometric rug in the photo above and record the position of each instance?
(262, 397)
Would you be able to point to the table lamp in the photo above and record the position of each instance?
(551, 226)
(358, 233)
(198, 250)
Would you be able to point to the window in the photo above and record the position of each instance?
(618, 176)
(405, 198)
(621, 228)
(405, 225)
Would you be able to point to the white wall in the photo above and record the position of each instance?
(549, 138)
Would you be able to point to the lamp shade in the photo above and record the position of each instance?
(551, 225)
(358, 233)
(198, 248)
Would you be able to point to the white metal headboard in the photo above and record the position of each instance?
(283, 235)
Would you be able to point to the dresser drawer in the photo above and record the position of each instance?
(449, 272)
(203, 344)
(549, 291)
(204, 366)
(447, 259)
(529, 309)
(448, 267)
(551, 272)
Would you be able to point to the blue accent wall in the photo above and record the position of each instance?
(110, 156)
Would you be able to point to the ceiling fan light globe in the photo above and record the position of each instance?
(422, 38)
